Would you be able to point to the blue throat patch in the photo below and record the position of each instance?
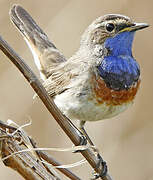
(119, 69)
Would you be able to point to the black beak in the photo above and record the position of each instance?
(134, 27)
(139, 26)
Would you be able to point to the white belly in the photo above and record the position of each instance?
(81, 108)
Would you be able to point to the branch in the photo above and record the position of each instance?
(46, 157)
(63, 121)
(27, 164)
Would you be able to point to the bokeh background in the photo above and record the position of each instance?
(126, 141)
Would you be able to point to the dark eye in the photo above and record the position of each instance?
(110, 27)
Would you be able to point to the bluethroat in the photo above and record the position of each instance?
(100, 80)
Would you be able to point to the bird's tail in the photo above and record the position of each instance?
(46, 55)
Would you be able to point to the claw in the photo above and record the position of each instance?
(103, 164)
(83, 142)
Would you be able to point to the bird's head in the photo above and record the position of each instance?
(109, 39)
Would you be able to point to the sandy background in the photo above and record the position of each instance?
(126, 141)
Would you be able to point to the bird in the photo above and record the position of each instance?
(100, 80)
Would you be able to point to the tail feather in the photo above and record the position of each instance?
(46, 55)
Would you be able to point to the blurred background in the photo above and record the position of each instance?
(126, 141)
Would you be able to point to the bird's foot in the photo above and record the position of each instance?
(83, 142)
(101, 164)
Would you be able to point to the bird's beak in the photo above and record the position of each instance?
(135, 27)
(138, 26)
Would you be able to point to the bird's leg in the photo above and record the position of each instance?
(81, 127)
(101, 162)
(83, 139)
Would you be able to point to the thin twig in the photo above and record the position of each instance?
(24, 163)
(5, 128)
(52, 161)
(64, 122)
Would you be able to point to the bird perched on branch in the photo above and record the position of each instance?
(100, 80)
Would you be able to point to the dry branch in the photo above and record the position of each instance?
(24, 163)
(64, 122)
(27, 164)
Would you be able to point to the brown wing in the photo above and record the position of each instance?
(59, 80)
(46, 55)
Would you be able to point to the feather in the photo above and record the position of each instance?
(46, 55)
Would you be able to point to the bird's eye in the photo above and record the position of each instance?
(110, 27)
